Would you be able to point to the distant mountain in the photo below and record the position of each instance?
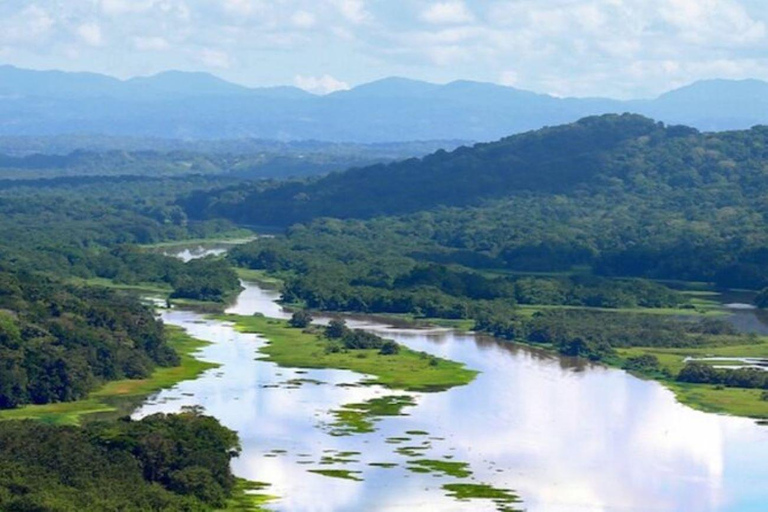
(201, 106)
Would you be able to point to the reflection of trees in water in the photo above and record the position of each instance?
(539, 355)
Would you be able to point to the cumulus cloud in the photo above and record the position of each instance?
(447, 13)
(324, 84)
(27, 25)
(303, 19)
(352, 10)
(623, 48)
(90, 33)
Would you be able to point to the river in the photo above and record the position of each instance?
(565, 435)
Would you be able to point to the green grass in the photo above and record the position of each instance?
(706, 397)
(259, 276)
(408, 370)
(145, 288)
(246, 497)
(501, 497)
(454, 469)
(360, 418)
(236, 236)
(701, 308)
(122, 395)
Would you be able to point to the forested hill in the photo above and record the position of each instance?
(622, 153)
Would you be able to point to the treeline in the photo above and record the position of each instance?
(622, 195)
(58, 342)
(338, 266)
(595, 335)
(702, 373)
(204, 279)
(160, 463)
(89, 228)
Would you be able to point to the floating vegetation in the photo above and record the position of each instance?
(501, 497)
(328, 459)
(411, 451)
(416, 433)
(246, 496)
(301, 382)
(397, 440)
(338, 473)
(359, 418)
(386, 465)
(454, 469)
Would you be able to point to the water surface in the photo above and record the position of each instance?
(565, 435)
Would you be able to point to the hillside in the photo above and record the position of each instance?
(201, 106)
(583, 156)
(622, 194)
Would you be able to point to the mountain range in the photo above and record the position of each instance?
(186, 105)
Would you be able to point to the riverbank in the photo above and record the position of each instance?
(407, 370)
(120, 397)
(704, 397)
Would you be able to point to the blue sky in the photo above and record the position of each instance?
(617, 48)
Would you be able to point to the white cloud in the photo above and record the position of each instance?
(215, 58)
(29, 25)
(353, 10)
(303, 19)
(146, 44)
(447, 13)
(90, 33)
(118, 7)
(325, 84)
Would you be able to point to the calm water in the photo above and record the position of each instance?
(566, 436)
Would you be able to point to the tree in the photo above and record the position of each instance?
(300, 319)
(389, 348)
(336, 329)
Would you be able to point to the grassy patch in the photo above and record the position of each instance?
(701, 308)
(454, 469)
(338, 473)
(408, 370)
(233, 237)
(122, 395)
(159, 289)
(360, 418)
(247, 497)
(501, 497)
(706, 397)
(260, 277)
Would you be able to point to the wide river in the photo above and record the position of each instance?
(564, 435)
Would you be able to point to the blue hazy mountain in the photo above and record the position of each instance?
(178, 104)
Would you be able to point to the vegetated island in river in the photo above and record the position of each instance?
(390, 365)
(121, 396)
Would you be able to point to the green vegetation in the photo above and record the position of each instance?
(58, 343)
(711, 397)
(338, 473)
(408, 370)
(501, 497)
(622, 195)
(118, 396)
(454, 469)
(246, 497)
(161, 463)
(360, 418)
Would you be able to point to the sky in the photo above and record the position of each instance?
(610, 48)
